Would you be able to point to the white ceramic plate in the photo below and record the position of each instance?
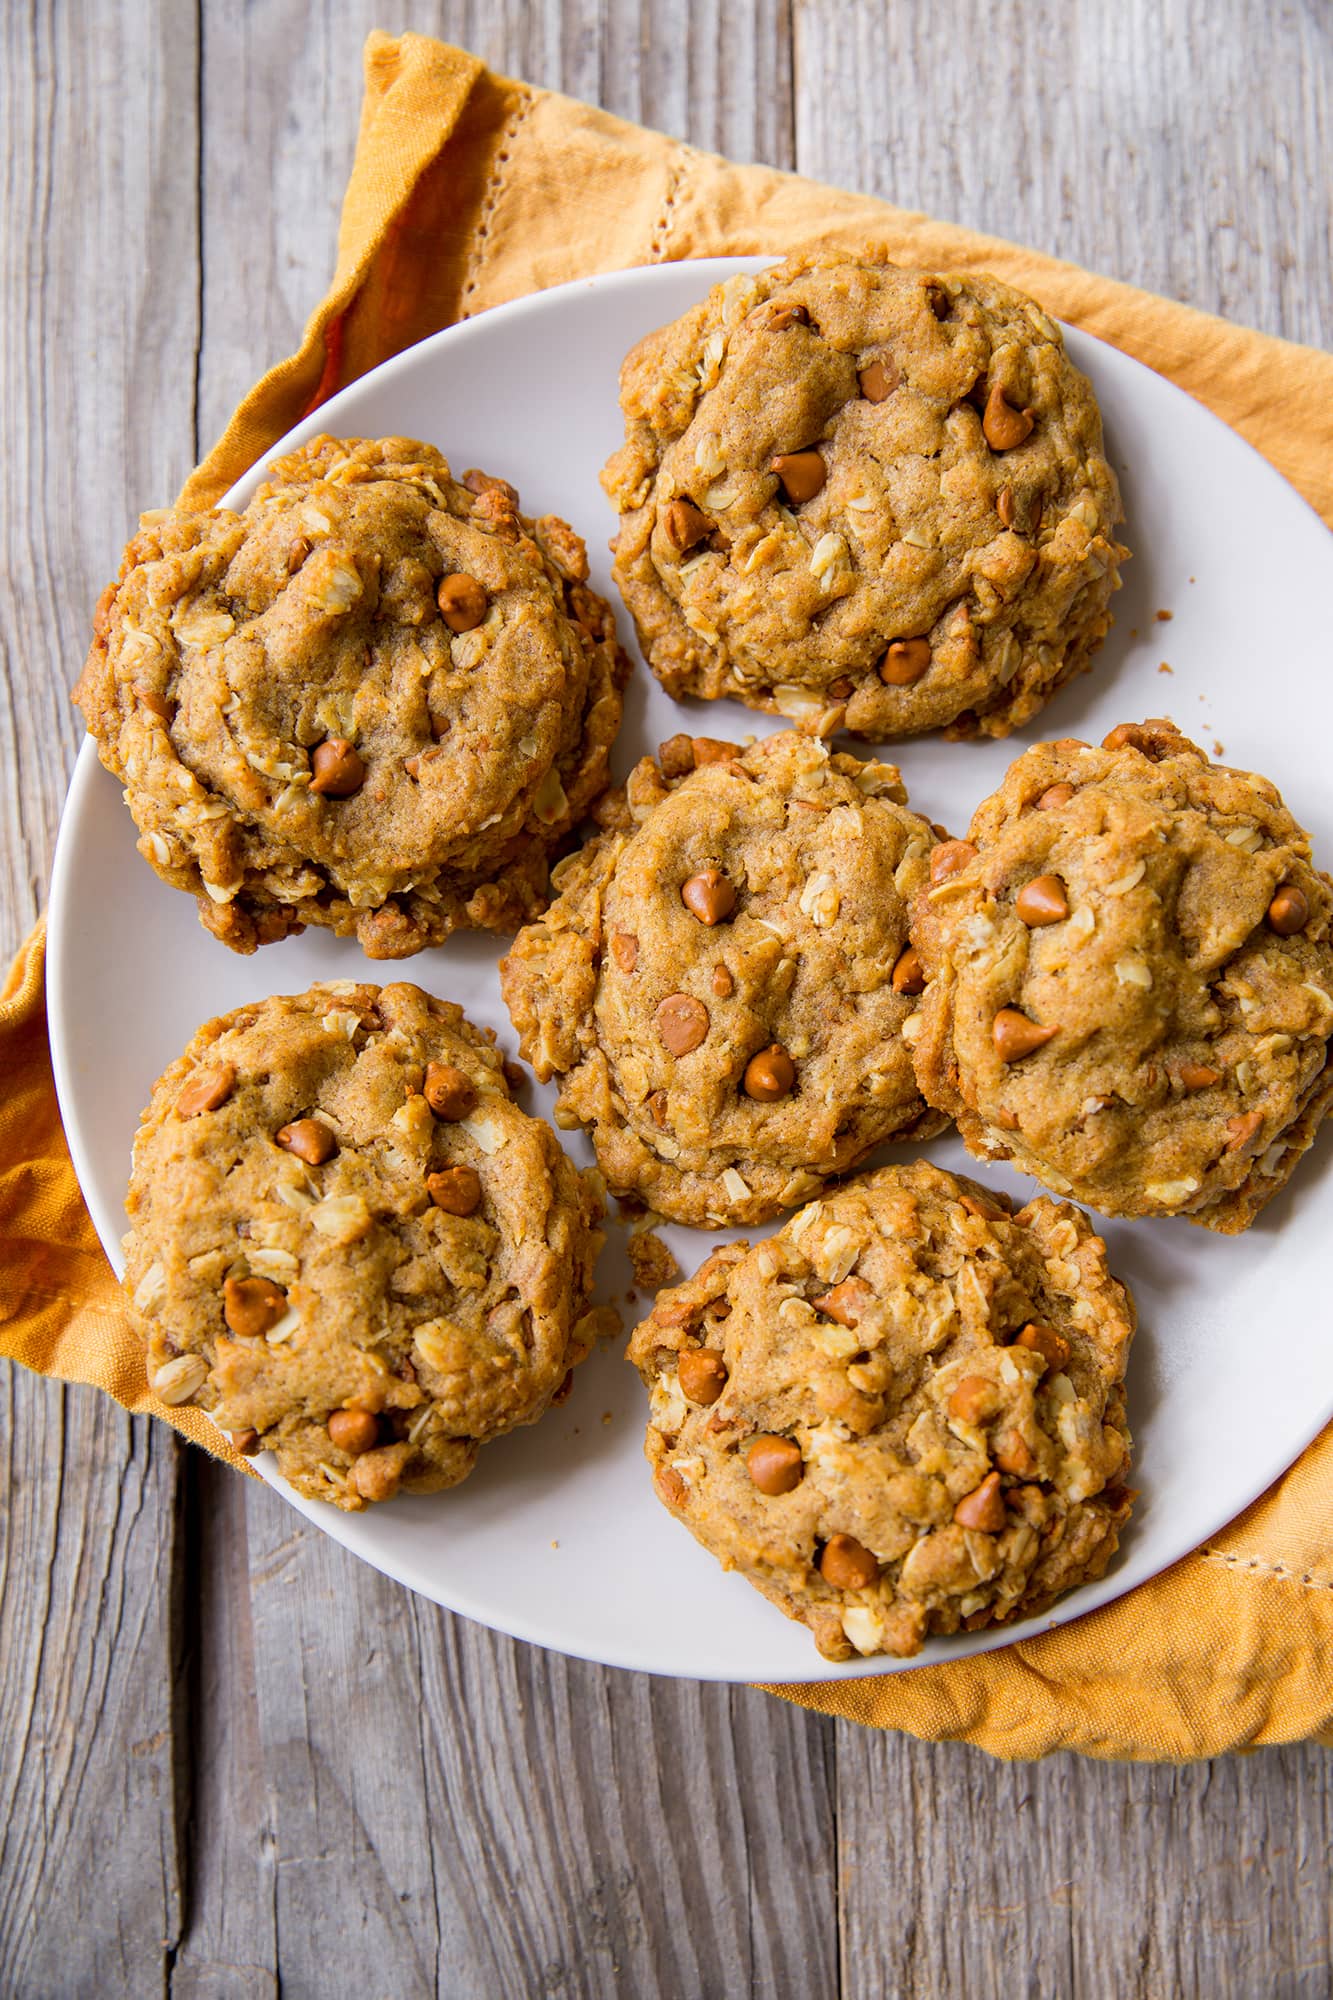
(557, 1537)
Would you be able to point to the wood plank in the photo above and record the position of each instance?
(1082, 1879)
(98, 243)
(1183, 147)
(90, 1887)
(456, 1812)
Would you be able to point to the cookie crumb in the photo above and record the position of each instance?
(652, 1262)
(1164, 617)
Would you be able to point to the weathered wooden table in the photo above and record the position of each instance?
(233, 1762)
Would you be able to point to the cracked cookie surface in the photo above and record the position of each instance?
(720, 983)
(377, 700)
(901, 1414)
(1131, 979)
(350, 1246)
(866, 498)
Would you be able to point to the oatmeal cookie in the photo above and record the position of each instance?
(377, 700)
(865, 498)
(721, 981)
(902, 1414)
(350, 1246)
(1131, 979)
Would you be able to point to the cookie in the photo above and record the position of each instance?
(721, 981)
(377, 700)
(865, 498)
(350, 1246)
(1131, 979)
(902, 1414)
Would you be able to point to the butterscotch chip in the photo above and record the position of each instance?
(462, 600)
(682, 1023)
(770, 1074)
(206, 1091)
(801, 474)
(1016, 1036)
(365, 1316)
(1110, 1003)
(1002, 425)
(1245, 1126)
(709, 896)
(337, 770)
(309, 1139)
(457, 1190)
(353, 1431)
(905, 662)
(449, 1091)
(845, 1302)
(1012, 1454)
(846, 478)
(877, 381)
(775, 1465)
(392, 697)
(983, 1508)
(846, 1564)
(685, 525)
(1042, 901)
(625, 950)
(949, 857)
(1289, 911)
(757, 1051)
(1044, 1340)
(908, 974)
(975, 1398)
(702, 1375)
(913, 1467)
(252, 1306)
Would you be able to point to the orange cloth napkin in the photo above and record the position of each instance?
(468, 190)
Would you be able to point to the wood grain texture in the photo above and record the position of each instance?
(1079, 1879)
(235, 1762)
(90, 1882)
(486, 1818)
(99, 271)
(1181, 147)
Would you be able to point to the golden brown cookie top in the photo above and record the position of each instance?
(866, 497)
(721, 981)
(1131, 978)
(901, 1413)
(350, 1245)
(373, 694)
